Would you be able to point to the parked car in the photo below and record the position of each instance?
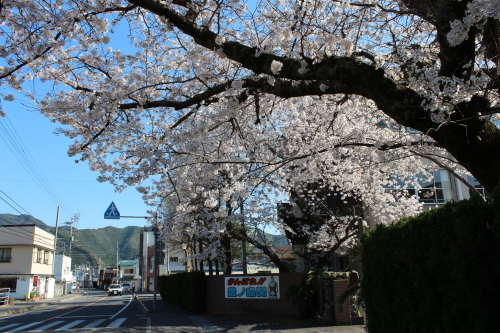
(115, 289)
(126, 287)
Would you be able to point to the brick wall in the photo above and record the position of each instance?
(342, 311)
(217, 303)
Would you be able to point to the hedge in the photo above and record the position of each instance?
(437, 272)
(187, 290)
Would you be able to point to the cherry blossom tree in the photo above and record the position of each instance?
(358, 96)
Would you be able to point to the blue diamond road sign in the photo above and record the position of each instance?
(112, 212)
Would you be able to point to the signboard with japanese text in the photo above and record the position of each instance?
(256, 287)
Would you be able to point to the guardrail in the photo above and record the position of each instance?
(4, 296)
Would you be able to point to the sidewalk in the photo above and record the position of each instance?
(20, 307)
(242, 323)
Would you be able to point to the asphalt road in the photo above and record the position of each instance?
(97, 311)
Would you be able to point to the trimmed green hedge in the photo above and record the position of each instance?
(437, 272)
(187, 290)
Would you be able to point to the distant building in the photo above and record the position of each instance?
(129, 272)
(63, 273)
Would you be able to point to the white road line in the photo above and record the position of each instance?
(70, 325)
(148, 324)
(67, 317)
(117, 322)
(9, 326)
(93, 324)
(54, 323)
(22, 327)
(116, 314)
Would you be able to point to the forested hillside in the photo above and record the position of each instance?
(89, 245)
(95, 246)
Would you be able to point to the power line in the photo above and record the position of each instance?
(29, 235)
(17, 147)
(15, 203)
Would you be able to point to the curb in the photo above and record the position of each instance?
(144, 308)
(35, 307)
(25, 309)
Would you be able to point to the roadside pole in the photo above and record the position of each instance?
(113, 214)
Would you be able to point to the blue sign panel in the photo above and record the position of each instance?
(112, 212)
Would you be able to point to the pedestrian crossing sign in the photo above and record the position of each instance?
(112, 212)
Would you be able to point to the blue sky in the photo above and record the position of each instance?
(70, 185)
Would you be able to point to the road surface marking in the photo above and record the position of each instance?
(116, 314)
(93, 316)
(76, 309)
(204, 324)
(70, 325)
(54, 323)
(9, 326)
(22, 327)
(117, 322)
(148, 324)
(93, 324)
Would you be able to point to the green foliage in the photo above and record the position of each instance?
(437, 272)
(90, 244)
(305, 294)
(187, 290)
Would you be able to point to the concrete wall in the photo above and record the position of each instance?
(60, 289)
(62, 268)
(21, 261)
(216, 303)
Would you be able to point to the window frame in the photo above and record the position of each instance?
(6, 254)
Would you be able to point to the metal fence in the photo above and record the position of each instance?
(4, 296)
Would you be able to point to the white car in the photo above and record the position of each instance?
(126, 287)
(115, 289)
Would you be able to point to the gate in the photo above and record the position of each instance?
(4, 296)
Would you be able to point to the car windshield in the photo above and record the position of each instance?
(114, 286)
(126, 285)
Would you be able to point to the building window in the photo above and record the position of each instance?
(5, 254)
(174, 259)
(8, 282)
(485, 194)
(128, 271)
(46, 257)
(152, 261)
(437, 190)
(39, 257)
(257, 256)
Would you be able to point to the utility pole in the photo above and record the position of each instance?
(117, 260)
(70, 237)
(74, 219)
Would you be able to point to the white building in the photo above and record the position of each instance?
(62, 271)
(26, 260)
(129, 272)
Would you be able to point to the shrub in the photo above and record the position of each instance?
(305, 294)
(437, 272)
(187, 290)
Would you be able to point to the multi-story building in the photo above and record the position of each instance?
(129, 272)
(27, 260)
(441, 188)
